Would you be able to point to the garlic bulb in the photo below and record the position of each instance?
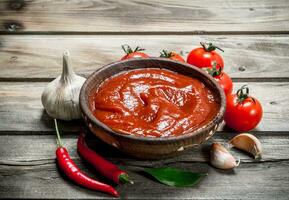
(221, 158)
(60, 98)
(247, 142)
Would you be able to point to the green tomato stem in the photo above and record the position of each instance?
(210, 47)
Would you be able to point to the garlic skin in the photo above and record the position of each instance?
(60, 98)
(221, 158)
(248, 143)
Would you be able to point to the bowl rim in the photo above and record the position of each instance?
(216, 120)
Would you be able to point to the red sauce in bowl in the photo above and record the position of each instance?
(153, 103)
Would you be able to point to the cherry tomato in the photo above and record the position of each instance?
(243, 112)
(222, 78)
(205, 56)
(136, 53)
(172, 55)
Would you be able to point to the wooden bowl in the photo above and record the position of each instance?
(146, 147)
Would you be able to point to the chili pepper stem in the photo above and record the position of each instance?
(124, 178)
(59, 143)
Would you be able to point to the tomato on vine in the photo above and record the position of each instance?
(205, 56)
(222, 78)
(130, 53)
(243, 112)
(172, 55)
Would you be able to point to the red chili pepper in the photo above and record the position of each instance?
(73, 172)
(106, 168)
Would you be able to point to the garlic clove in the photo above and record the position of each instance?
(60, 97)
(221, 158)
(248, 143)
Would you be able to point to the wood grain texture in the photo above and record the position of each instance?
(20, 105)
(22, 112)
(32, 173)
(23, 150)
(93, 32)
(36, 56)
(250, 181)
(150, 16)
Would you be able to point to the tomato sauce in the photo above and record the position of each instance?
(153, 103)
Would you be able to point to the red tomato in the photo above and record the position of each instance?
(136, 53)
(205, 56)
(172, 55)
(222, 78)
(243, 112)
(225, 82)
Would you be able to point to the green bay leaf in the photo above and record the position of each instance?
(175, 177)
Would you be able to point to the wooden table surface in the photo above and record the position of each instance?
(33, 35)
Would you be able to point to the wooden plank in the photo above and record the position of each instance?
(39, 56)
(22, 112)
(29, 172)
(150, 16)
(268, 180)
(23, 150)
